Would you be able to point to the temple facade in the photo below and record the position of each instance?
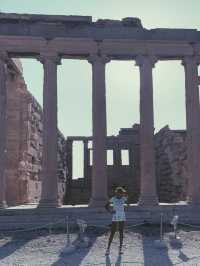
(50, 38)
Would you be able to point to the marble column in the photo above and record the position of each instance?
(193, 127)
(148, 194)
(131, 157)
(3, 57)
(117, 155)
(99, 170)
(49, 194)
(69, 152)
(86, 159)
(89, 157)
(69, 163)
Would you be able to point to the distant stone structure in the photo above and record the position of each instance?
(171, 166)
(24, 142)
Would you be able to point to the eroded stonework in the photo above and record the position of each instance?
(170, 158)
(24, 155)
(24, 143)
(171, 164)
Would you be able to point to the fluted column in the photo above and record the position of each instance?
(117, 155)
(148, 194)
(131, 157)
(99, 175)
(3, 58)
(85, 158)
(49, 194)
(69, 162)
(193, 127)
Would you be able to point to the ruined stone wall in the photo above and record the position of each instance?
(171, 166)
(126, 176)
(24, 144)
(171, 169)
(81, 188)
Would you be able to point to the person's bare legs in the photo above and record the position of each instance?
(121, 235)
(112, 233)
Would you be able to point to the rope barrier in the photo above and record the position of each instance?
(83, 241)
(190, 225)
(135, 225)
(74, 220)
(35, 228)
(108, 227)
(100, 226)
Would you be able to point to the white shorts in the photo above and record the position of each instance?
(119, 217)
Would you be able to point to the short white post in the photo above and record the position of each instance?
(161, 226)
(161, 243)
(174, 222)
(68, 234)
(70, 248)
(175, 239)
(84, 241)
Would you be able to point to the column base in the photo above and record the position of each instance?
(3, 205)
(49, 204)
(95, 202)
(148, 201)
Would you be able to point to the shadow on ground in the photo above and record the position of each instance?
(117, 263)
(16, 240)
(80, 253)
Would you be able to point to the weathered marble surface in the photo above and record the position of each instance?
(52, 26)
(170, 165)
(24, 143)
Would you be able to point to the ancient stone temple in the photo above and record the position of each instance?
(170, 165)
(49, 39)
(24, 142)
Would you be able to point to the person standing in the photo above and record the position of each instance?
(116, 206)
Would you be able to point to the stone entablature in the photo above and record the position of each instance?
(78, 36)
(54, 26)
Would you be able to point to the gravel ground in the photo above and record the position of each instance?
(42, 248)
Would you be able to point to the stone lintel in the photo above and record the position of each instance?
(78, 138)
(54, 26)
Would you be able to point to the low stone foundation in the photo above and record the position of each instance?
(29, 216)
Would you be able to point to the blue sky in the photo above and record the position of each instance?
(122, 78)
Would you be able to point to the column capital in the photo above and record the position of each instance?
(142, 60)
(95, 58)
(49, 56)
(191, 60)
